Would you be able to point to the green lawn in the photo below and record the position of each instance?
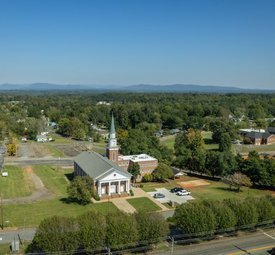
(99, 147)
(60, 139)
(169, 141)
(143, 204)
(18, 183)
(54, 179)
(220, 191)
(33, 214)
(259, 148)
(54, 151)
(215, 190)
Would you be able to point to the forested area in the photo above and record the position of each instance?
(139, 116)
(75, 111)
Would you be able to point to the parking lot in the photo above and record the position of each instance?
(169, 196)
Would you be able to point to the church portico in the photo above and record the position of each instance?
(111, 188)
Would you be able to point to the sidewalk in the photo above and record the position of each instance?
(122, 204)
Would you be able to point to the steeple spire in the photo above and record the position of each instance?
(112, 149)
(112, 130)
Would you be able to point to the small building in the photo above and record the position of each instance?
(41, 138)
(109, 179)
(260, 138)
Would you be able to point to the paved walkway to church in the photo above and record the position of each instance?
(123, 205)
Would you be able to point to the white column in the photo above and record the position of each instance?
(128, 186)
(109, 189)
(99, 189)
(119, 187)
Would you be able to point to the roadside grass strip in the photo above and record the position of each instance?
(18, 183)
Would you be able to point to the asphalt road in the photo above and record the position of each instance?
(7, 236)
(258, 243)
(40, 161)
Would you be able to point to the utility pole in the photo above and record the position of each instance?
(2, 216)
(172, 245)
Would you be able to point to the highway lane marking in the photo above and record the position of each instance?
(252, 250)
(272, 237)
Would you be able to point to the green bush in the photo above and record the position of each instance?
(148, 178)
(131, 192)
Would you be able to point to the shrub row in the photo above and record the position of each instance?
(220, 216)
(94, 231)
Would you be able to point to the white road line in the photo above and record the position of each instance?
(272, 237)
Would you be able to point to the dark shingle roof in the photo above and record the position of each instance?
(271, 130)
(95, 165)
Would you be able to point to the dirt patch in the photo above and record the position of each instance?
(194, 183)
(28, 170)
(67, 149)
(33, 150)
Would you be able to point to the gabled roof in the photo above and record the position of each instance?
(271, 130)
(256, 135)
(97, 166)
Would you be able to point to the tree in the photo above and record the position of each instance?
(92, 230)
(195, 218)
(224, 216)
(148, 178)
(152, 227)
(265, 209)
(245, 211)
(121, 230)
(55, 234)
(163, 172)
(81, 190)
(225, 142)
(189, 150)
(134, 169)
(11, 149)
(237, 180)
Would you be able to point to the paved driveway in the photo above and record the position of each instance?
(170, 196)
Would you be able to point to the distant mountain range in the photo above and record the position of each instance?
(174, 88)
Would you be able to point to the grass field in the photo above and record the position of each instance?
(143, 204)
(215, 190)
(54, 151)
(54, 179)
(60, 139)
(17, 184)
(169, 141)
(259, 148)
(99, 147)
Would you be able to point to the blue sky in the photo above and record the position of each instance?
(214, 42)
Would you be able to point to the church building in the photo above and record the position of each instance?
(110, 175)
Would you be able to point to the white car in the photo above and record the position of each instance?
(183, 193)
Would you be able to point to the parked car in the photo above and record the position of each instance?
(183, 193)
(176, 189)
(159, 195)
